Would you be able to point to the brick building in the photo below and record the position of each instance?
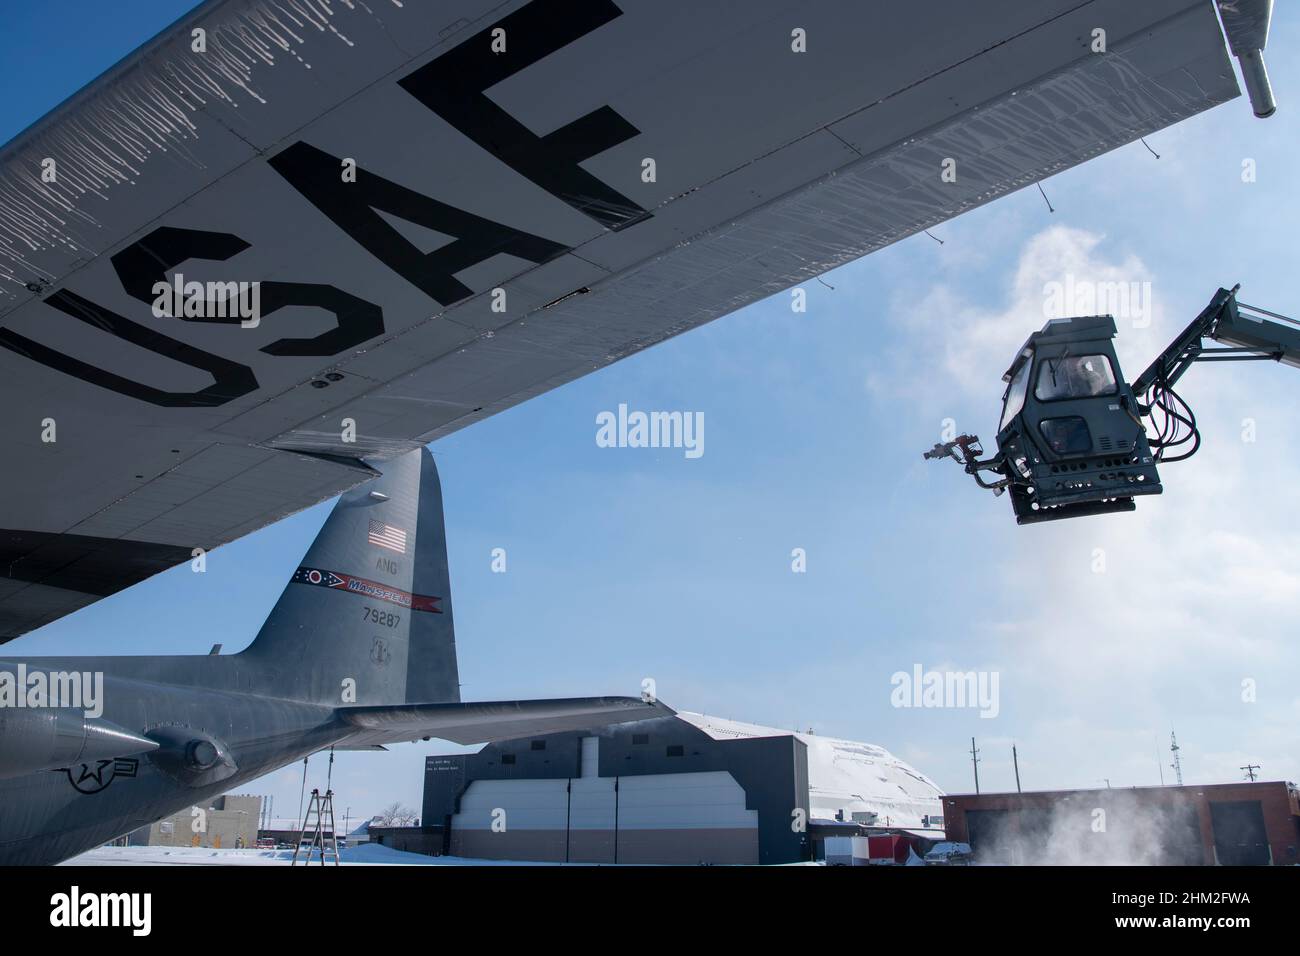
(1232, 824)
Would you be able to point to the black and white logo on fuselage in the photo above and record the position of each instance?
(94, 777)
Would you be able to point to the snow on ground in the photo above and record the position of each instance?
(363, 855)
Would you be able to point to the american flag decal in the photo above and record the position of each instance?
(386, 536)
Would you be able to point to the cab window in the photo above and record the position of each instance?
(1074, 376)
(1015, 397)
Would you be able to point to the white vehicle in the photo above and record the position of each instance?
(949, 854)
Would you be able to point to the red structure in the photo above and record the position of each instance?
(1232, 824)
(889, 848)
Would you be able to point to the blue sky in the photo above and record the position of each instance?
(628, 563)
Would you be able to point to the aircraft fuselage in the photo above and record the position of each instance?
(53, 814)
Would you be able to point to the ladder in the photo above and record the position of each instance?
(322, 809)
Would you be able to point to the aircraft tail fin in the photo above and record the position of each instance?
(366, 619)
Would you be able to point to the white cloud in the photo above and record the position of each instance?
(1200, 584)
(977, 342)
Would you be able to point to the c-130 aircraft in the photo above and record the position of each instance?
(358, 652)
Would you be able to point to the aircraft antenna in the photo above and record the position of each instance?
(1045, 199)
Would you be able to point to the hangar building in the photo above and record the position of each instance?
(685, 789)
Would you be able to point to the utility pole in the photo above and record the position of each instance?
(1177, 764)
(302, 796)
(1015, 762)
(1250, 769)
(975, 763)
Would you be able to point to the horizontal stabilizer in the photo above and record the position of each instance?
(486, 721)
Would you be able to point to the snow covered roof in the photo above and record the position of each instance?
(847, 777)
(363, 829)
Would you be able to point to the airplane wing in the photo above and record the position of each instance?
(285, 238)
(491, 720)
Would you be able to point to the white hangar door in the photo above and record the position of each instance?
(685, 818)
(592, 820)
(512, 820)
